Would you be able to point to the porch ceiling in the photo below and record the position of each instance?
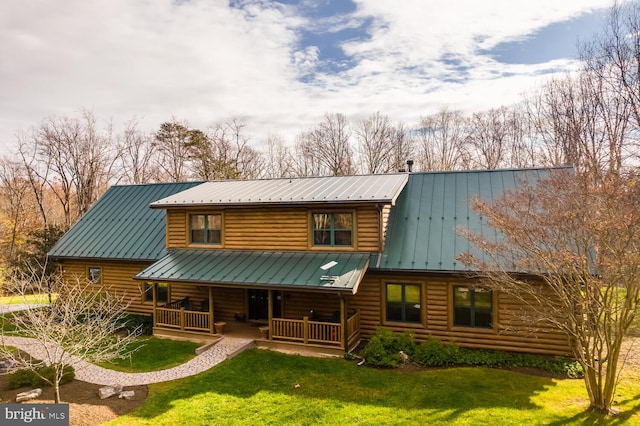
(260, 268)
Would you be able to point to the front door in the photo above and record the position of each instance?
(259, 304)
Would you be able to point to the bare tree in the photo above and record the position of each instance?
(93, 156)
(611, 62)
(233, 149)
(442, 141)
(72, 158)
(306, 162)
(83, 322)
(37, 172)
(326, 149)
(569, 251)
(374, 137)
(136, 154)
(279, 160)
(224, 152)
(403, 147)
(580, 124)
(523, 149)
(613, 55)
(489, 137)
(15, 189)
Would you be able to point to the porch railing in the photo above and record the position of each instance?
(303, 331)
(182, 319)
(353, 330)
(307, 331)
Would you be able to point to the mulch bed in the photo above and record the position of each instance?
(87, 408)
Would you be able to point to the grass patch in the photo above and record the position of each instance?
(7, 324)
(29, 298)
(155, 354)
(262, 387)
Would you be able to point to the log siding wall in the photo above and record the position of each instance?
(276, 228)
(509, 332)
(117, 277)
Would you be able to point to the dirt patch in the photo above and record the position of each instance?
(85, 407)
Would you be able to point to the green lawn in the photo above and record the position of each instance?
(29, 298)
(262, 387)
(155, 354)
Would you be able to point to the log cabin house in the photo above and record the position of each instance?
(317, 263)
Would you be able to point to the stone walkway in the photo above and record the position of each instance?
(223, 349)
(5, 309)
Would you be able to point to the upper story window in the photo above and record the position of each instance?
(333, 229)
(205, 228)
(473, 307)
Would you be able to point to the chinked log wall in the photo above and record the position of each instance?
(275, 228)
(512, 333)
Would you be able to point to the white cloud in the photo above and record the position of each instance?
(202, 61)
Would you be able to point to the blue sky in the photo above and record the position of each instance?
(280, 64)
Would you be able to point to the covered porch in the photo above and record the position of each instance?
(298, 311)
(307, 331)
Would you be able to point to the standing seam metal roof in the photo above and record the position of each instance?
(120, 225)
(422, 230)
(334, 189)
(263, 268)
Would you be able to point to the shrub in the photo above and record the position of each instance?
(143, 322)
(383, 349)
(27, 377)
(432, 353)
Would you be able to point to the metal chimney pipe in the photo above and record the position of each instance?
(410, 165)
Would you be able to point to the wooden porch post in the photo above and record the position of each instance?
(270, 309)
(343, 322)
(211, 328)
(155, 303)
(305, 331)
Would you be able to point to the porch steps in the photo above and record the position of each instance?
(168, 333)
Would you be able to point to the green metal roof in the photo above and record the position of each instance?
(120, 225)
(260, 268)
(422, 226)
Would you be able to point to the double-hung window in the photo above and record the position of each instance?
(333, 229)
(472, 307)
(403, 303)
(205, 228)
